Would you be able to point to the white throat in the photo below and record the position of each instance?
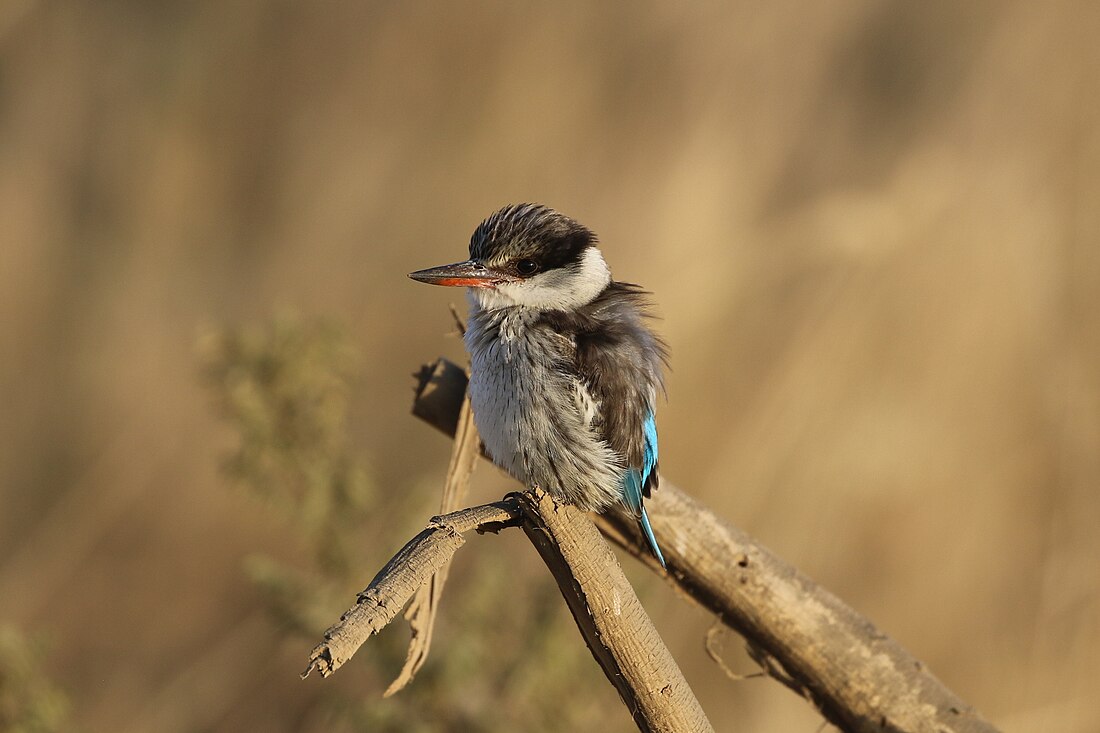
(561, 289)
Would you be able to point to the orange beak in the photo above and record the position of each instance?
(468, 274)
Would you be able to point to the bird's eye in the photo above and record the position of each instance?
(526, 267)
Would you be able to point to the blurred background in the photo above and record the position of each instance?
(871, 230)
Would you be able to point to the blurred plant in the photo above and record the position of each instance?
(29, 701)
(285, 388)
(513, 655)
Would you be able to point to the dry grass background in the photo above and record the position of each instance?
(872, 230)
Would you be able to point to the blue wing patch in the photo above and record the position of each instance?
(650, 455)
(634, 479)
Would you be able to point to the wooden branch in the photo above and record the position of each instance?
(402, 576)
(610, 617)
(858, 677)
(607, 612)
(422, 611)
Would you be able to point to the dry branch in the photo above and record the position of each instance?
(611, 618)
(422, 611)
(608, 614)
(402, 576)
(858, 677)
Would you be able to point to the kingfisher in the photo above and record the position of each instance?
(565, 370)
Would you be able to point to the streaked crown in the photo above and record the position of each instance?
(530, 232)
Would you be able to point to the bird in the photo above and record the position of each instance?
(564, 368)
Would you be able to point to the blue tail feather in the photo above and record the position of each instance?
(648, 532)
(632, 489)
(634, 481)
(632, 493)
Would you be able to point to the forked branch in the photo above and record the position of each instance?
(404, 575)
(608, 614)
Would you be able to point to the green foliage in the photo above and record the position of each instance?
(29, 701)
(285, 388)
(506, 654)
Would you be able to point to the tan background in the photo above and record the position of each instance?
(871, 228)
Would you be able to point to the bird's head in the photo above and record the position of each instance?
(530, 256)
